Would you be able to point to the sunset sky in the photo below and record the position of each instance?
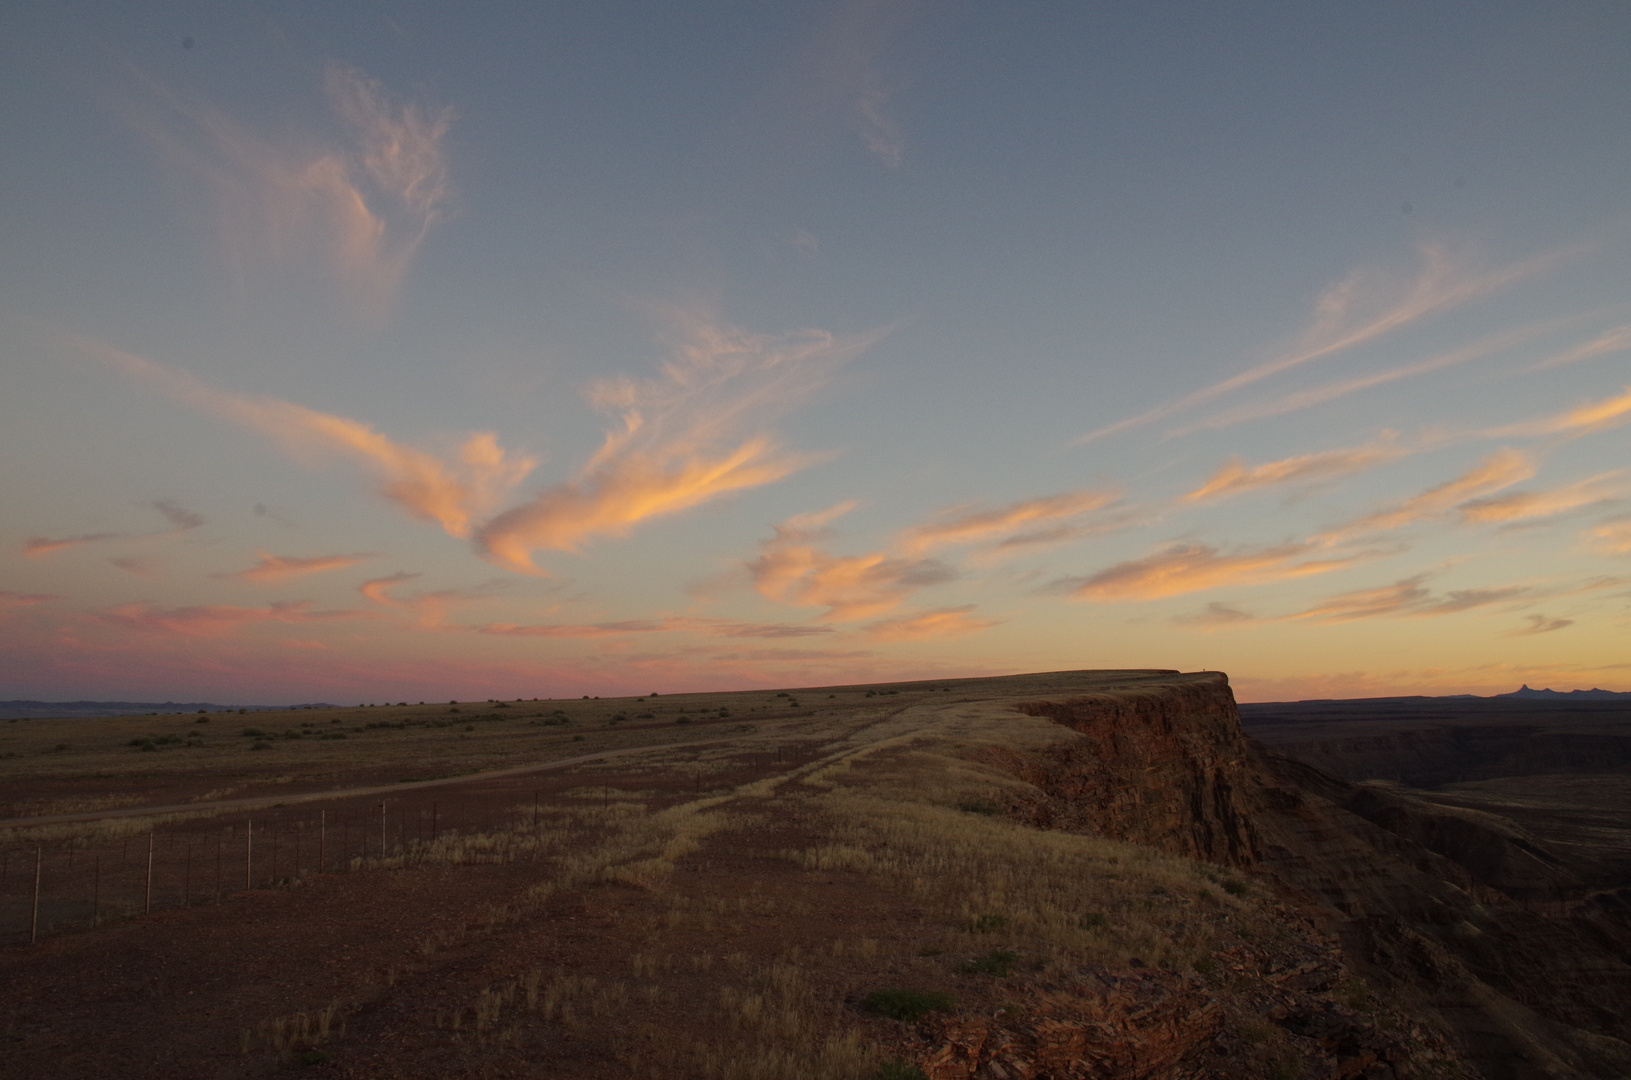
(366, 352)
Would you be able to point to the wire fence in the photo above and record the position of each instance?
(85, 879)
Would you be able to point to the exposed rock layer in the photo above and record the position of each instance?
(1466, 913)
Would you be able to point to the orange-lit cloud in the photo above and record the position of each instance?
(41, 545)
(429, 609)
(1031, 521)
(279, 567)
(568, 630)
(944, 623)
(792, 569)
(359, 211)
(683, 439)
(1611, 341)
(448, 492)
(1187, 568)
(379, 589)
(1611, 537)
(1407, 597)
(1364, 306)
(1521, 505)
(1585, 419)
(1235, 476)
(1499, 470)
(211, 620)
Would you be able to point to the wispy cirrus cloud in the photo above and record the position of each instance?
(1523, 505)
(358, 207)
(211, 620)
(943, 623)
(1586, 418)
(180, 518)
(429, 609)
(1499, 470)
(1610, 538)
(280, 567)
(1235, 477)
(1049, 518)
(1320, 395)
(450, 492)
(1408, 597)
(1364, 306)
(1540, 624)
(690, 436)
(1607, 343)
(9, 598)
(860, 33)
(792, 568)
(37, 546)
(667, 624)
(1187, 568)
(144, 566)
(1216, 616)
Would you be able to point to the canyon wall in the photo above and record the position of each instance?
(1464, 913)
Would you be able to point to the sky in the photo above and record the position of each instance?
(356, 352)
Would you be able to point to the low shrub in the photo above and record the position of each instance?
(900, 1004)
(998, 962)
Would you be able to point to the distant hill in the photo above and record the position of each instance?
(39, 710)
(1560, 695)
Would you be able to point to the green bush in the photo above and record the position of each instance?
(998, 962)
(986, 924)
(899, 1004)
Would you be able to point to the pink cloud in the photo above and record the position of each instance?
(944, 623)
(280, 567)
(212, 620)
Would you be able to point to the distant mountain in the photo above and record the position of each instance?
(1571, 695)
(39, 710)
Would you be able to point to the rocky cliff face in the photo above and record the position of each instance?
(1462, 913)
(1160, 764)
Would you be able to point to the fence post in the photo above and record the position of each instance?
(96, 889)
(187, 876)
(34, 919)
(382, 828)
(147, 895)
(249, 852)
(322, 837)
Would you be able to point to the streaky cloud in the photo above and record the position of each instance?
(1521, 505)
(357, 211)
(690, 436)
(1187, 568)
(1030, 521)
(280, 567)
(942, 623)
(1498, 470)
(212, 620)
(1235, 477)
(428, 487)
(1362, 307)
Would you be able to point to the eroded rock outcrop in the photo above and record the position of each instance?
(1160, 764)
(1470, 918)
